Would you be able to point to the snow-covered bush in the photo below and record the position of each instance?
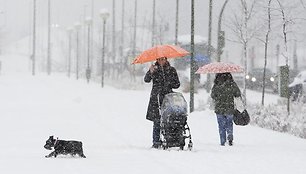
(275, 117)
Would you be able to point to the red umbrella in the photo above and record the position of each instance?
(219, 67)
(169, 51)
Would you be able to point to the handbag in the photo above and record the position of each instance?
(241, 118)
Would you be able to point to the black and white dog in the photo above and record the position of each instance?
(64, 147)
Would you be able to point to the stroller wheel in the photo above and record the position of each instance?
(164, 145)
(190, 145)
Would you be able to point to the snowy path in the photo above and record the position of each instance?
(117, 138)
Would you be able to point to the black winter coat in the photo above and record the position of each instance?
(223, 96)
(164, 80)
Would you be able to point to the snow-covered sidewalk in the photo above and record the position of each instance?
(117, 138)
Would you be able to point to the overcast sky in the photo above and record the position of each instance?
(16, 16)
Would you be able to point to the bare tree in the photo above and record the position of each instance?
(244, 28)
(285, 22)
(282, 21)
(266, 52)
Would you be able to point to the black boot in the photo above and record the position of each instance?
(230, 142)
(155, 146)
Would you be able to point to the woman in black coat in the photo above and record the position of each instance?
(223, 93)
(164, 78)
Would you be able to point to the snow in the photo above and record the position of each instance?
(116, 137)
(185, 39)
(115, 134)
(299, 79)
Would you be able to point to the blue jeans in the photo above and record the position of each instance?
(225, 123)
(156, 132)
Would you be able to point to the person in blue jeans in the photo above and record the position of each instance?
(164, 78)
(225, 123)
(223, 93)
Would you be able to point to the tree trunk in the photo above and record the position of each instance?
(286, 49)
(266, 52)
(245, 47)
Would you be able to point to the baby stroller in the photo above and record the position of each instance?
(174, 125)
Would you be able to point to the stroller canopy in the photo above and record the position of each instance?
(173, 103)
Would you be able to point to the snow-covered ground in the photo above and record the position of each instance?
(115, 134)
(116, 137)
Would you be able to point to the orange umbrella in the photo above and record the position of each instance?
(169, 51)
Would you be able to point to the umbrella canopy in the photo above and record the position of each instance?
(199, 58)
(219, 67)
(169, 51)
